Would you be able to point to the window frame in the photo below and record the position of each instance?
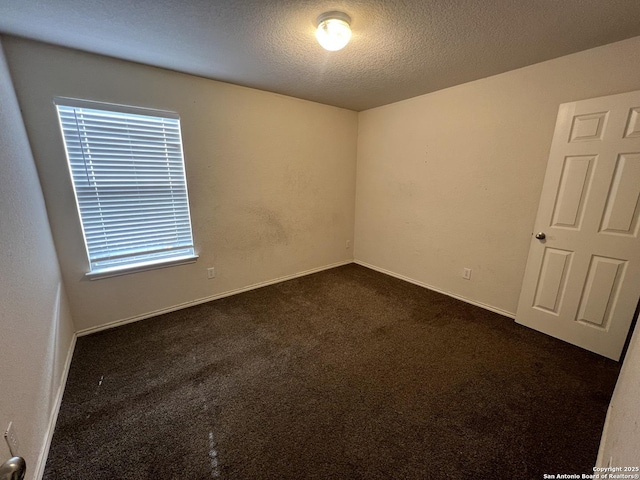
(140, 265)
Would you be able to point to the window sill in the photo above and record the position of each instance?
(140, 267)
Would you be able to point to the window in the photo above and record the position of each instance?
(129, 180)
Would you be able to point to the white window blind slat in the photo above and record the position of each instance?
(129, 180)
(126, 233)
(107, 209)
(119, 250)
(115, 243)
(119, 235)
(125, 122)
(131, 213)
(119, 153)
(164, 251)
(142, 161)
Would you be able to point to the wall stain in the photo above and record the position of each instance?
(255, 227)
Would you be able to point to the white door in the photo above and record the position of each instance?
(582, 280)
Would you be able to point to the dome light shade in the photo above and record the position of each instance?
(334, 30)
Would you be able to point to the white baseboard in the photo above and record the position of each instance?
(198, 301)
(436, 289)
(53, 416)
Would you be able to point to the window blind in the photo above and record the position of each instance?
(128, 175)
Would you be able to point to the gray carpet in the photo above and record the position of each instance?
(344, 374)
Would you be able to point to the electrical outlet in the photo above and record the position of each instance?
(211, 273)
(466, 274)
(12, 439)
(348, 244)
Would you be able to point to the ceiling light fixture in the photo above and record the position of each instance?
(334, 30)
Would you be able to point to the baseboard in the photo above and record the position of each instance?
(117, 323)
(436, 289)
(53, 416)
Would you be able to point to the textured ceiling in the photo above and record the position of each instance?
(399, 49)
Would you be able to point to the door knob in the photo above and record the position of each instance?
(540, 236)
(13, 469)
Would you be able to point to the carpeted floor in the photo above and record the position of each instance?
(344, 374)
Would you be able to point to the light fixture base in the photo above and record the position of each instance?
(337, 15)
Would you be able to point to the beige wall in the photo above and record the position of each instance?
(452, 179)
(621, 437)
(36, 330)
(271, 178)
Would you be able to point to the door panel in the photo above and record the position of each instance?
(551, 281)
(582, 281)
(574, 181)
(599, 296)
(633, 125)
(588, 127)
(621, 214)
